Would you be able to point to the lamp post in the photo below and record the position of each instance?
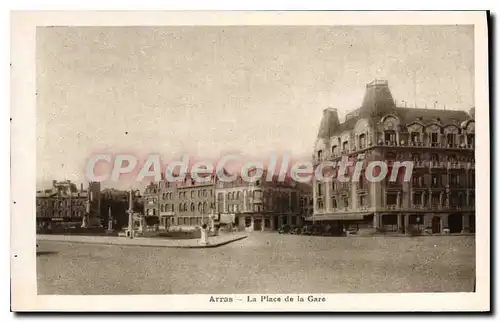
(130, 215)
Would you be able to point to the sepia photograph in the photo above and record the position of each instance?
(252, 165)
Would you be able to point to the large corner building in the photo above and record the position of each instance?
(440, 197)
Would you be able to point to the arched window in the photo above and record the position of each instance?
(345, 146)
(200, 207)
(238, 195)
(193, 207)
(161, 208)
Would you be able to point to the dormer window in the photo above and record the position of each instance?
(434, 139)
(334, 150)
(390, 137)
(415, 137)
(345, 146)
(450, 138)
(362, 141)
(470, 140)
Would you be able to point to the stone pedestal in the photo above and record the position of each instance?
(85, 221)
(465, 224)
(376, 220)
(406, 223)
(204, 237)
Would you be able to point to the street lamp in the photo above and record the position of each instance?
(130, 215)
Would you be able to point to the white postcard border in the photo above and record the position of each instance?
(23, 158)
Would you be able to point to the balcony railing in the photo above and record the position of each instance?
(437, 164)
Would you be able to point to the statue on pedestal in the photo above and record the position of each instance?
(85, 220)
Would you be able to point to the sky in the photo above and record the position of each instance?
(212, 90)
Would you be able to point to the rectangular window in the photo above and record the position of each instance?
(362, 201)
(434, 138)
(434, 181)
(417, 199)
(334, 203)
(362, 141)
(345, 146)
(391, 199)
(435, 199)
(417, 180)
(320, 190)
(390, 136)
(450, 138)
(470, 140)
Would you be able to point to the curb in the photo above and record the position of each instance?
(148, 245)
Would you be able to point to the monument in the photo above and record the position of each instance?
(204, 235)
(110, 219)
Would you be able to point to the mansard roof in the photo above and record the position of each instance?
(377, 103)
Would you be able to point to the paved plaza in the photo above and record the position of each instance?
(262, 263)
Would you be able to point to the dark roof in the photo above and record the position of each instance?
(378, 99)
(410, 115)
(329, 123)
(378, 102)
(48, 194)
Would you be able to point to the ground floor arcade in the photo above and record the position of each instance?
(435, 223)
(403, 223)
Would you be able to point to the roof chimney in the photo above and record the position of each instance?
(378, 99)
(54, 183)
(329, 123)
(81, 186)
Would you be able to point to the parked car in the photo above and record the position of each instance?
(307, 230)
(296, 230)
(285, 229)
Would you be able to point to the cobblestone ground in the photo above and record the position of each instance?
(262, 263)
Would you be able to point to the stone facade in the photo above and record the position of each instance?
(64, 202)
(186, 203)
(259, 205)
(439, 197)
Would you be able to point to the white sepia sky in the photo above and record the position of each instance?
(209, 90)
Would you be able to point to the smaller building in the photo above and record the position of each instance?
(65, 204)
(183, 203)
(260, 205)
